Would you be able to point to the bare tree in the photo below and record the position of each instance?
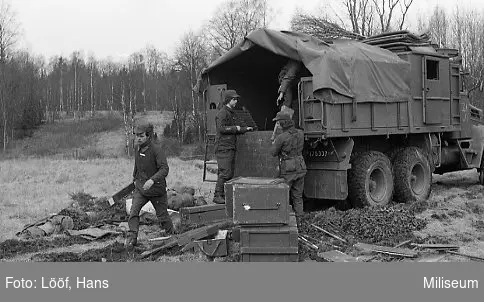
(9, 29)
(387, 14)
(438, 27)
(191, 56)
(234, 20)
(361, 15)
(9, 32)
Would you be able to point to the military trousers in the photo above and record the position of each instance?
(296, 188)
(160, 203)
(225, 172)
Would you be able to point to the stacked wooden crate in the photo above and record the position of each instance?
(266, 226)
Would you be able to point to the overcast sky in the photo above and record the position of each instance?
(118, 28)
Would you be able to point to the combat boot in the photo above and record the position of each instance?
(131, 240)
(298, 221)
(168, 227)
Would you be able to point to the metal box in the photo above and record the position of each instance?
(203, 214)
(270, 243)
(257, 200)
(213, 247)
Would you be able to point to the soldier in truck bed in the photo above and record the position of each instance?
(225, 142)
(288, 146)
(287, 82)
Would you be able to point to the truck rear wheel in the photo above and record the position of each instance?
(370, 180)
(413, 178)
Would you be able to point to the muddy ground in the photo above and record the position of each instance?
(454, 214)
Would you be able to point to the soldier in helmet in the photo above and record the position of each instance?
(288, 146)
(149, 177)
(225, 142)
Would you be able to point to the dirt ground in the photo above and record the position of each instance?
(454, 214)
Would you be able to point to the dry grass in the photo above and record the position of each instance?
(33, 188)
(456, 204)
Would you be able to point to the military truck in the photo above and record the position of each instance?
(380, 116)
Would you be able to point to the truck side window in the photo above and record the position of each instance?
(432, 70)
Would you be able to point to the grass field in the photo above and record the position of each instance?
(36, 183)
(40, 173)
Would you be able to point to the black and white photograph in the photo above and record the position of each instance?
(321, 132)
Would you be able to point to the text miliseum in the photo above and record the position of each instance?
(441, 282)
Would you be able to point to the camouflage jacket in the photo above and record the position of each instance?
(288, 146)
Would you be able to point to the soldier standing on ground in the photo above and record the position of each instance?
(149, 176)
(225, 143)
(288, 146)
(287, 80)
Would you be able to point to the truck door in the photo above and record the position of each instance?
(436, 90)
(213, 100)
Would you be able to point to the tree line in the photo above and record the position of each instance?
(35, 90)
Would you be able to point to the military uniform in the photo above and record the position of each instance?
(286, 80)
(225, 144)
(150, 163)
(288, 146)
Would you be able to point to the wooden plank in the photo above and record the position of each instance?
(330, 234)
(307, 243)
(403, 243)
(185, 238)
(168, 245)
(465, 255)
(387, 250)
(437, 246)
(121, 194)
(337, 256)
(199, 233)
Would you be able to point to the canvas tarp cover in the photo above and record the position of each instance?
(354, 69)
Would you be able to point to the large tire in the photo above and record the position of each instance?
(481, 172)
(412, 174)
(370, 180)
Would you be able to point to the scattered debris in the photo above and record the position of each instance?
(403, 243)
(337, 256)
(330, 234)
(185, 238)
(307, 243)
(54, 224)
(92, 233)
(159, 238)
(387, 250)
(437, 247)
(465, 255)
(213, 247)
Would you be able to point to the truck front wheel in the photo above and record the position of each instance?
(370, 180)
(481, 172)
(413, 178)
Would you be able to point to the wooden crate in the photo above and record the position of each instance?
(257, 200)
(203, 214)
(269, 243)
(213, 247)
